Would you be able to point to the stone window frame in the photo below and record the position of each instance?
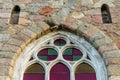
(96, 62)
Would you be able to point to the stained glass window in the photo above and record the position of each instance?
(59, 72)
(72, 54)
(47, 54)
(60, 42)
(84, 72)
(34, 72)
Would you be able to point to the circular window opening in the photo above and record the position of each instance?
(59, 42)
(47, 54)
(72, 54)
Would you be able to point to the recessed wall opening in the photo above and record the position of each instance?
(14, 19)
(106, 17)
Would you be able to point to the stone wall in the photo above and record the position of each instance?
(40, 17)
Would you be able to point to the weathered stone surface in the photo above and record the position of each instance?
(114, 78)
(102, 41)
(22, 37)
(8, 55)
(5, 70)
(46, 11)
(6, 61)
(118, 44)
(29, 33)
(10, 48)
(58, 3)
(108, 47)
(112, 54)
(114, 70)
(24, 21)
(77, 15)
(4, 37)
(17, 42)
(4, 78)
(112, 61)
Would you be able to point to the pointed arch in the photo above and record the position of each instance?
(85, 72)
(59, 72)
(35, 71)
(14, 19)
(106, 17)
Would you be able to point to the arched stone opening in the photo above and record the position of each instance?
(106, 16)
(71, 40)
(14, 19)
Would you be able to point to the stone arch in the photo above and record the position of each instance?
(81, 29)
(33, 46)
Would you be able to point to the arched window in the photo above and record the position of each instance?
(15, 15)
(106, 17)
(64, 56)
(84, 72)
(59, 72)
(34, 72)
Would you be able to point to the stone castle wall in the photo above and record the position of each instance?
(40, 17)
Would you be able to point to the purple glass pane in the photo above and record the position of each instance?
(51, 57)
(43, 52)
(83, 76)
(76, 51)
(68, 57)
(59, 68)
(60, 42)
(62, 76)
(59, 72)
(33, 76)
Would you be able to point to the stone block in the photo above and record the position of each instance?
(22, 37)
(5, 70)
(10, 48)
(4, 37)
(35, 28)
(114, 77)
(114, 61)
(5, 15)
(17, 42)
(8, 55)
(29, 33)
(77, 15)
(6, 61)
(103, 41)
(108, 47)
(4, 77)
(24, 21)
(112, 54)
(114, 70)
